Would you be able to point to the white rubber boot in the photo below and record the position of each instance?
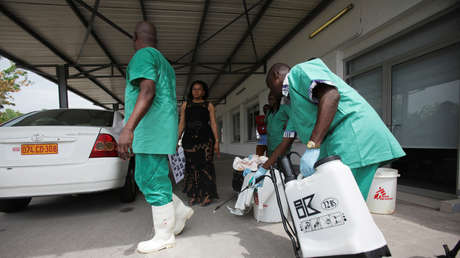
(183, 213)
(163, 222)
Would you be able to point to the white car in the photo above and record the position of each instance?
(62, 151)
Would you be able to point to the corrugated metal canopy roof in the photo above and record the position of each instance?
(220, 42)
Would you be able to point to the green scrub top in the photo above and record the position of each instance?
(276, 123)
(356, 134)
(156, 133)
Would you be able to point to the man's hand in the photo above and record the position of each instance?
(308, 160)
(246, 171)
(125, 148)
(260, 172)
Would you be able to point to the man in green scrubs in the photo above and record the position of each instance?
(150, 132)
(331, 118)
(276, 120)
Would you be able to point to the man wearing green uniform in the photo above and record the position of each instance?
(276, 121)
(150, 132)
(331, 118)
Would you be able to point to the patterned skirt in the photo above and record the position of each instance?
(200, 175)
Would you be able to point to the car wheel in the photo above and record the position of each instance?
(129, 191)
(13, 205)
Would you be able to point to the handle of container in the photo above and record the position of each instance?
(389, 176)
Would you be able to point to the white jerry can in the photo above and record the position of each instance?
(330, 215)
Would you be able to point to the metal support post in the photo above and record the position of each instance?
(458, 160)
(62, 72)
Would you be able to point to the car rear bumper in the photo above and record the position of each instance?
(95, 175)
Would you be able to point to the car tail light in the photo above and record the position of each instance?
(105, 146)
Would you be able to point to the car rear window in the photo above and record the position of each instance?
(67, 117)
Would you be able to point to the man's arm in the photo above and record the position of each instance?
(280, 149)
(143, 103)
(328, 97)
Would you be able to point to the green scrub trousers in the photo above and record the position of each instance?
(151, 176)
(364, 177)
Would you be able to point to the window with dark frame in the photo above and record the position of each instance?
(252, 112)
(413, 82)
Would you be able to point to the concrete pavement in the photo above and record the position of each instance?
(97, 225)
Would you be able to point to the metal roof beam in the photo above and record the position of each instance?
(51, 47)
(243, 69)
(108, 21)
(249, 24)
(23, 64)
(144, 14)
(305, 20)
(88, 28)
(90, 71)
(215, 63)
(177, 74)
(89, 8)
(197, 43)
(203, 64)
(94, 34)
(240, 43)
(210, 68)
(218, 31)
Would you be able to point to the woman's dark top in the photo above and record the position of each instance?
(197, 128)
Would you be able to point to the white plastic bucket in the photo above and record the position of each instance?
(382, 193)
(244, 200)
(266, 207)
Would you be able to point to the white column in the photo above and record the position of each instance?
(243, 134)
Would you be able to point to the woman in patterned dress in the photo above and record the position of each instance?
(200, 141)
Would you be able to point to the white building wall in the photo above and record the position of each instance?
(367, 24)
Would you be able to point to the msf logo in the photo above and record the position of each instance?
(303, 207)
(381, 195)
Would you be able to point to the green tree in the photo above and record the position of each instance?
(8, 115)
(11, 80)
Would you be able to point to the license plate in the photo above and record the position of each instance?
(39, 149)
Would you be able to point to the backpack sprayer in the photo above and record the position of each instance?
(329, 215)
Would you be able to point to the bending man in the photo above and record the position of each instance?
(331, 118)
